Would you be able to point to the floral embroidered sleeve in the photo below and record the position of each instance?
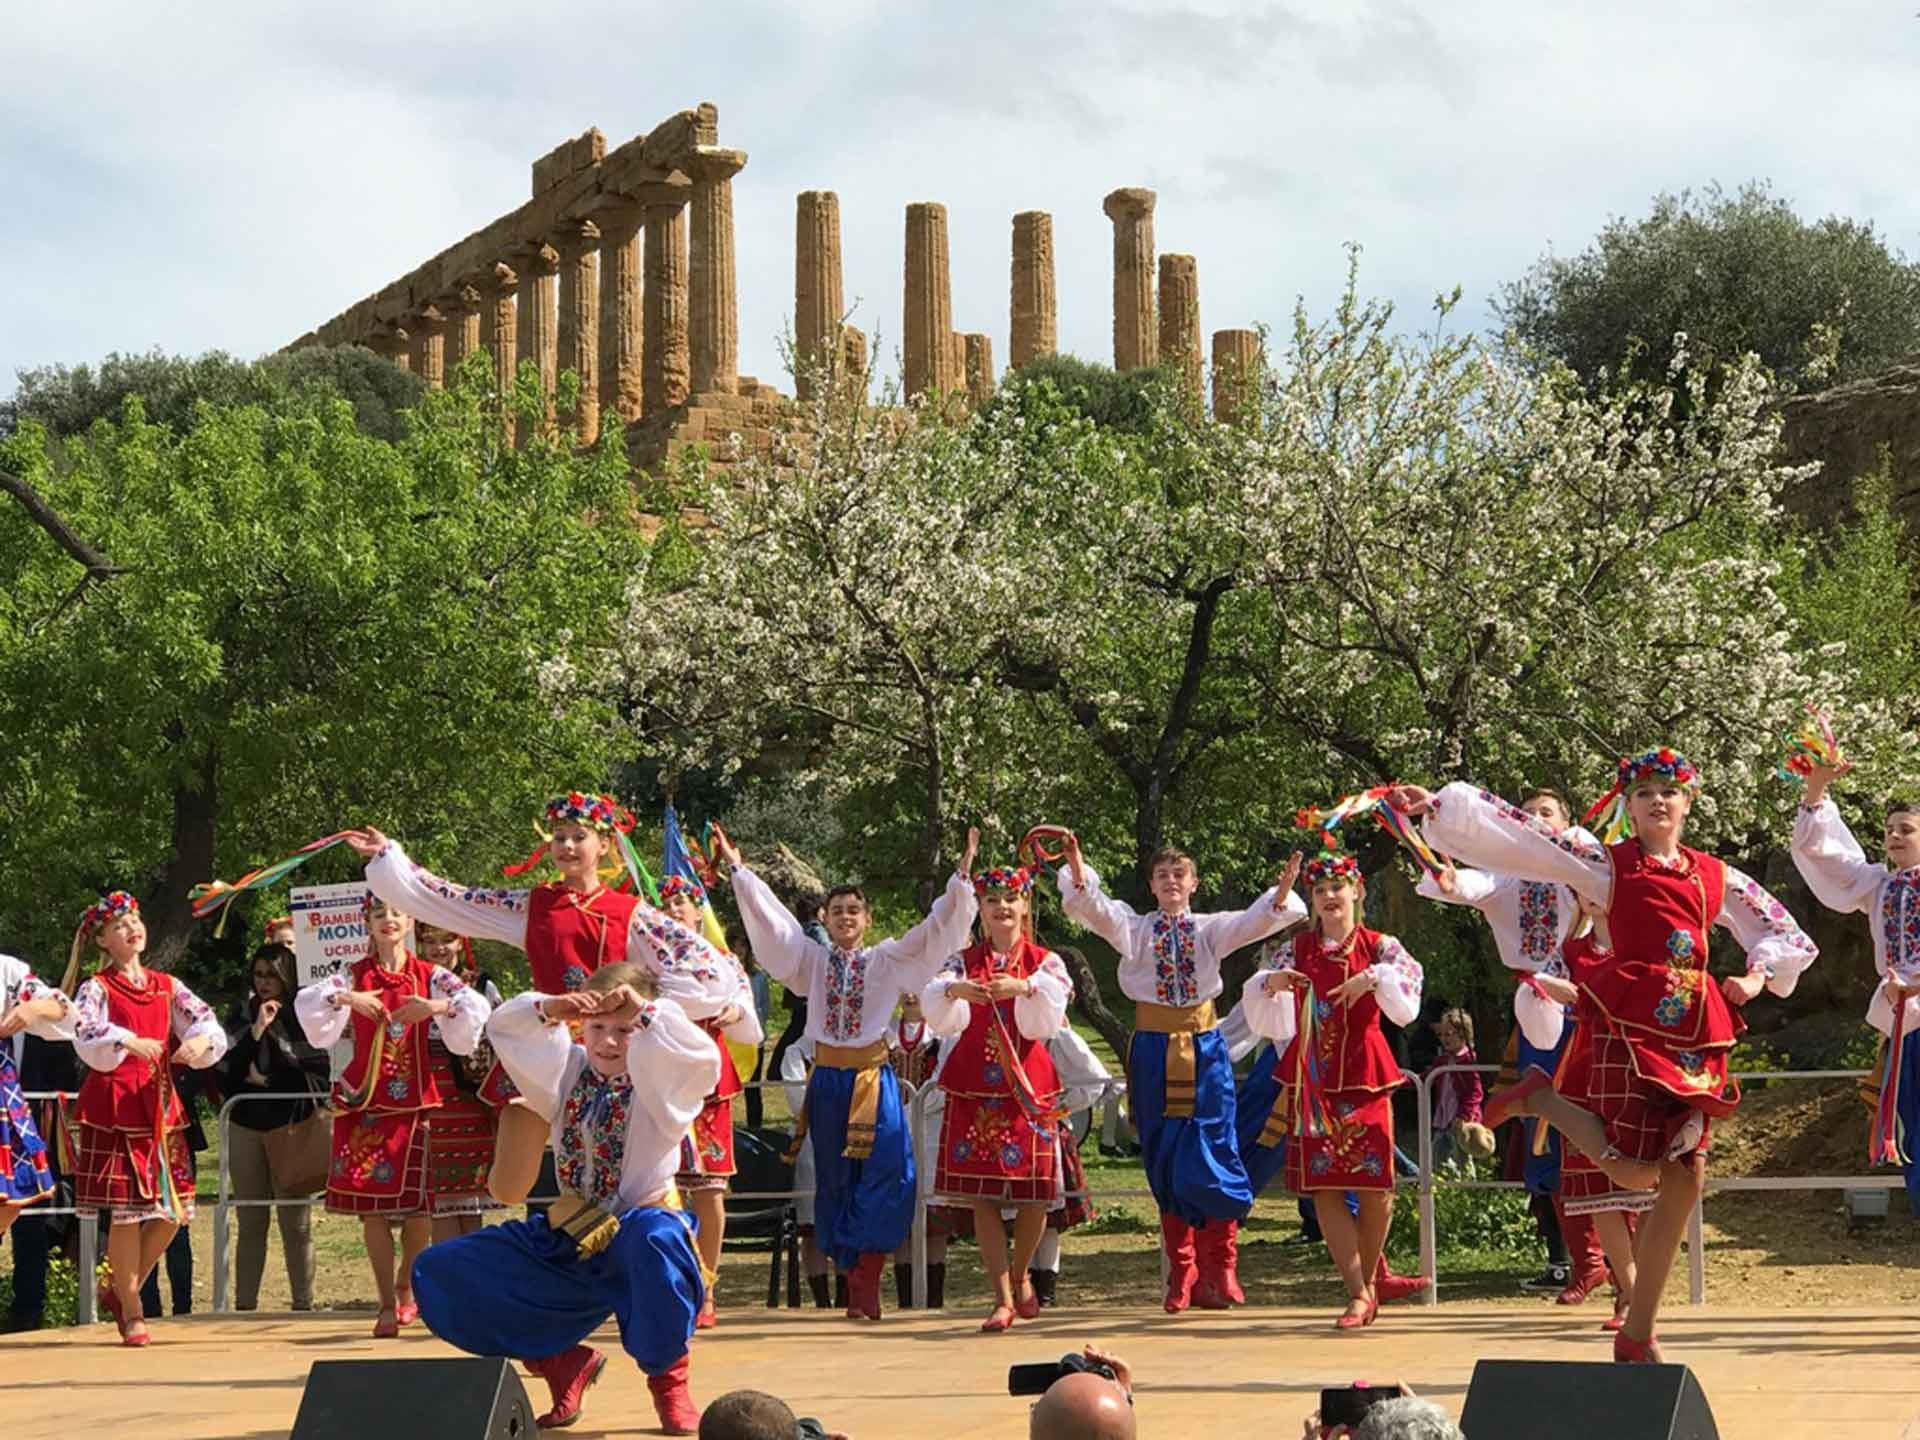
(945, 1016)
(533, 1053)
(1397, 981)
(33, 988)
(923, 949)
(689, 970)
(1485, 831)
(673, 1065)
(1044, 1012)
(1271, 1016)
(96, 1039)
(193, 1019)
(1776, 946)
(1231, 930)
(1831, 861)
(470, 910)
(313, 1007)
(460, 1028)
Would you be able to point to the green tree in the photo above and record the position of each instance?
(295, 627)
(1734, 273)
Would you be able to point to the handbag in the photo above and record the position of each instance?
(300, 1154)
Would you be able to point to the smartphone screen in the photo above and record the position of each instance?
(1033, 1379)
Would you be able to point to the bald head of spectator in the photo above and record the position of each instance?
(748, 1415)
(1082, 1407)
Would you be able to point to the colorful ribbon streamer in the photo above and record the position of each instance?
(1032, 850)
(219, 895)
(1373, 802)
(1888, 1143)
(1311, 1118)
(1813, 746)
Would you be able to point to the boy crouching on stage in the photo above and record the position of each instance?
(616, 1242)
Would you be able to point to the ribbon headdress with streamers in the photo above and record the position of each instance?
(110, 906)
(217, 895)
(1610, 810)
(1372, 802)
(596, 812)
(1814, 745)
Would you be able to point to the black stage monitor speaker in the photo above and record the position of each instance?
(458, 1399)
(1545, 1400)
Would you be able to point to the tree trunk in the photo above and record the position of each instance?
(166, 909)
(1088, 1000)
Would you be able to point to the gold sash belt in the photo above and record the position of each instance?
(1179, 1023)
(863, 1110)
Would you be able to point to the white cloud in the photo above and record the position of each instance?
(233, 178)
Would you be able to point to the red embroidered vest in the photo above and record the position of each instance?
(405, 1079)
(568, 938)
(1349, 1049)
(127, 1097)
(978, 1065)
(1658, 987)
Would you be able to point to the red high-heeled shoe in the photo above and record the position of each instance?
(1027, 1306)
(999, 1321)
(1629, 1351)
(1350, 1321)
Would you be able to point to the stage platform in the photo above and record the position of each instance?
(1799, 1375)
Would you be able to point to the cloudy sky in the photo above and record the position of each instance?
(229, 173)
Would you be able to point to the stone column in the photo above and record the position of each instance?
(713, 319)
(578, 243)
(621, 324)
(539, 327)
(928, 322)
(499, 328)
(1180, 319)
(390, 343)
(1236, 371)
(1131, 210)
(429, 328)
(462, 309)
(665, 368)
(978, 350)
(1034, 329)
(818, 302)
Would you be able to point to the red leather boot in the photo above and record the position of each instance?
(673, 1401)
(1389, 1286)
(1589, 1260)
(569, 1375)
(1177, 1240)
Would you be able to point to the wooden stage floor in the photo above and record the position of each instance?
(1798, 1375)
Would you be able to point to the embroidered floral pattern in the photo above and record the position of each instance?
(1680, 944)
(1900, 919)
(1174, 981)
(1539, 921)
(511, 901)
(593, 1132)
(1671, 1010)
(846, 993)
(1573, 842)
(676, 949)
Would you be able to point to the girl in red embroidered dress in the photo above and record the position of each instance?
(383, 1101)
(132, 1148)
(999, 1138)
(460, 1134)
(1658, 1062)
(1336, 1070)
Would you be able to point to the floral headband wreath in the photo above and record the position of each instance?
(686, 885)
(1664, 765)
(1331, 865)
(1015, 880)
(596, 812)
(109, 907)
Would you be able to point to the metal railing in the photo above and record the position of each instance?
(1696, 1235)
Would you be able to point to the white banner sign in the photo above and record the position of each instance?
(329, 929)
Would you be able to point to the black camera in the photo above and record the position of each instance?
(1038, 1379)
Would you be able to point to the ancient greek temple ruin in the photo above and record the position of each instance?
(620, 268)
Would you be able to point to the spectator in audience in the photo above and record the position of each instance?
(268, 1054)
(1086, 1406)
(1405, 1418)
(755, 1415)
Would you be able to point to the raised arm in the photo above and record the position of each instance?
(1231, 930)
(464, 909)
(779, 944)
(1088, 905)
(924, 948)
(1484, 830)
(672, 1062)
(533, 1050)
(1777, 948)
(1831, 861)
